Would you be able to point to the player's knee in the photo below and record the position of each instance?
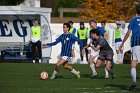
(97, 65)
(65, 66)
(57, 65)
(108, 68)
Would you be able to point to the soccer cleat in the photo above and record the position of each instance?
(52, 77)
(106, 76)
(94, 75)
(113, 76)
(78, 74)
(133, 86)
(33, 61)
(39, 61)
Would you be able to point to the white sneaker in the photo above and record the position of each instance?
(39, 61)
(106, 76)
(33, 61)
(94, 74)
(78, 74)
(52, 77)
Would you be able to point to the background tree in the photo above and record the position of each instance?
(110, 10)
(10, 2)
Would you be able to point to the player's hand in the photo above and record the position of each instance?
(120, 48)
(44, 45)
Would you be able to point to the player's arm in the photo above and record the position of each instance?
(79, 41)
(74, 31)
(95, 48)
(53, 43)
(125, 38)
(130, 27)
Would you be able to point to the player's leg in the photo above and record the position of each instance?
(92, 65)
(86, 51)
(106, 72)
(118, 52)
(33, 46)
(57, 67)
(81, 55)
(134, 62)
(133, 74)
(73, 56)
(71, 69)
(121, 54)
(109, 58)
(39, 50)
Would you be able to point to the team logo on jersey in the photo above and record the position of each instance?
(67, 38)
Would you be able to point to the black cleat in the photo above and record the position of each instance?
(114, 76)
(132, 87)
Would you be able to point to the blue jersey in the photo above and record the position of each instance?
(67, 41)
(134, 25)
(102, 30)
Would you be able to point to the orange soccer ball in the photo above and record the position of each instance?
(44, 75)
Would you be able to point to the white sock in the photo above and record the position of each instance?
(133, 75)
(73, 60)
(88, 56)
(55, 72)
(74, 71)
(92, 66)
(106, 72)
(118, 57)
(121, 55)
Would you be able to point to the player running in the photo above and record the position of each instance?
(67, 41)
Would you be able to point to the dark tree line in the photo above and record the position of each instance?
(10, 2)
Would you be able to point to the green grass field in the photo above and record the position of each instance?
(25, 78)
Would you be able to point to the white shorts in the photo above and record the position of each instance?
(136, 53)
(117, 45)
(65, 58)
(93, 53)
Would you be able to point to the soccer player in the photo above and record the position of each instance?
(94, 54)
(134, 26)
(108, 38)
(82, 34)
(105, 53)
(66, 40)
(36, 40)
(118, 36)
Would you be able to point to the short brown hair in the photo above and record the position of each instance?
(93, 20)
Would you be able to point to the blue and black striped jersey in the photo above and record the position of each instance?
(67, 41)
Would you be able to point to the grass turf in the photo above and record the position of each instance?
(25, 78)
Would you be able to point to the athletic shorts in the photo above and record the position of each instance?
(117, 45)
(106, 56)
(65, 58)
(136, 53)
(93, 53)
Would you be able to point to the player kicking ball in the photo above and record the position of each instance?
(105, 53)
(67, 41)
